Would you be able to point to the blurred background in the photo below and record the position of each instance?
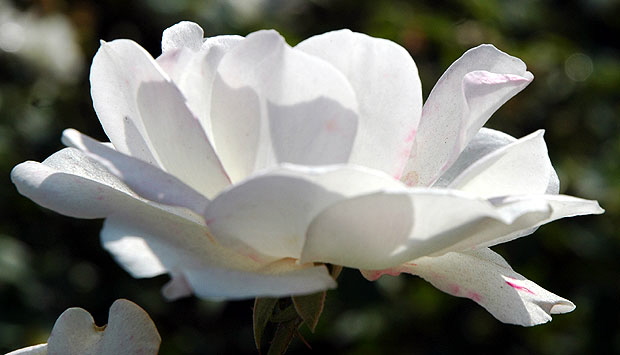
(49, 263)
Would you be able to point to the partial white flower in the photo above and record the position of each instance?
(130, 330)
(241, 165)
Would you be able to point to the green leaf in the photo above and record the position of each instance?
(283, 314)
(263, 309)
(283, 336)
(310, 308)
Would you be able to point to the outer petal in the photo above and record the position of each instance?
(486, 278)
(130, 330)
(385, 80)
(146, 180)
(149, 239)
(236, 284)
(191, 63)
(408, 225)
(69, 183)
(198, 263)
(561, 206)
(520, 168)
(463, 99)
(271, 212)
(273, 104)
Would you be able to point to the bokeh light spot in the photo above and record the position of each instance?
(578, 67)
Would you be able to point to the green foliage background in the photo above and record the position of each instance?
(49, 262)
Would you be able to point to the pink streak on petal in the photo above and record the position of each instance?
(403, 156)
(475, 296)
(376, 274)
(454, 289)
(411, 136)
(411, 178)
(520, 288)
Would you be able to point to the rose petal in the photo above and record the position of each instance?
(273, 104)
(271, 212)
(233, 284)
(135, 107)
(356, 233)
(146, 180)
(561, 206)
(71, 184)
(181, 144)
(148, 240)
(463, 99)
(193, 72)
(119, 68)
(486, 278)
(522, 167)
(151, 241)
(387, 86)
(132, 253)
(184, 34)
(484, 142)
(199, 264)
